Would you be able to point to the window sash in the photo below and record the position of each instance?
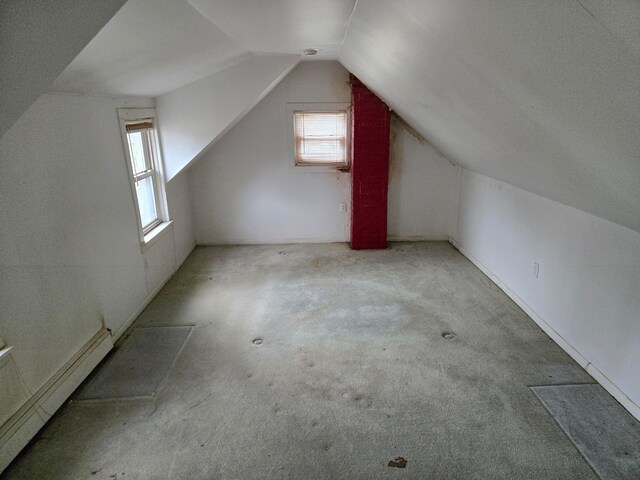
(320, 138)
(147, 130)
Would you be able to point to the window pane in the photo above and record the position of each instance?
(136, 149)
(321, 137)
(146, 202)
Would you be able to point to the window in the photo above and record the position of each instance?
(320, 135)
(143, 162)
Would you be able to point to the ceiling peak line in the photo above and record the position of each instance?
(346, 28)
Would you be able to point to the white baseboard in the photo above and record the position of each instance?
(125, 326)
(433, 238)
(31, 417)
(280, 241)
(632, 407)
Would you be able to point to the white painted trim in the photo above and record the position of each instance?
(180, 261)
(601, 378)
(401, 238)
(328, 107)
(123, 328)
(32, 416)
(280, 241)
(158, 176)
(156, 234)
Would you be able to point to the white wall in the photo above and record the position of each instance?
(421, 180)
(179, 204)
(196, 115)
(246, 190)
(587, 296)
(71, 261)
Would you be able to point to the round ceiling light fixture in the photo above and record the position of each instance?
(310, 51)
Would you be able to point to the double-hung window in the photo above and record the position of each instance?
(144, 165)
(320, 136)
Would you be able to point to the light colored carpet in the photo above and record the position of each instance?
(353, 372)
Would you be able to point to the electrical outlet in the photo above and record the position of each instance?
(536, 269)
(343, 207)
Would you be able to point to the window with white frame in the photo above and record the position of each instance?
(144, 165)
(321, 138)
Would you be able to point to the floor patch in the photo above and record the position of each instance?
(138, 366)
(606, 435)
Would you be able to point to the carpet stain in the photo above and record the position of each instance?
(399, 462)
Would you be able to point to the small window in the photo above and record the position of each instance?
(141, 148)
(320, 138)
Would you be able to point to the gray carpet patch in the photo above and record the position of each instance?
(606, 435)
(138, 366)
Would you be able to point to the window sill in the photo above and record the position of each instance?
(306, 168)
(156, 234)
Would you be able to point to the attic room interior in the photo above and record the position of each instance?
(330, 239)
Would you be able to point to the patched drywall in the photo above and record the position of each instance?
(586, 294)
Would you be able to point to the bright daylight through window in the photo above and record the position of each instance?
(321, 138)
(144, 162)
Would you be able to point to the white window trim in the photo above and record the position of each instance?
(291, 141)
(152, 234)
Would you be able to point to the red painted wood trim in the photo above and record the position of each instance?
(369, 167)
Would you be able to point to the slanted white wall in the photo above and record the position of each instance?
(246, 190)
(422, 183)
(542, 95)
(587, 295)
(71, 261)
(196, 115)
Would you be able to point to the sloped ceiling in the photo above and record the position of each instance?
(282, 26)
(192, 118)
(37, 41)
(149, 48)
(543, 95)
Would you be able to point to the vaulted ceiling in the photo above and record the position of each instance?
(543, 95)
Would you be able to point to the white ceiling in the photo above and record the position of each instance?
(543, 95)
(282, 26)
(150, 47)
(37, 41)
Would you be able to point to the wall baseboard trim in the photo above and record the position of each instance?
(16, 432)
(632, 407)
(418, 238)
(125, 326)
(283, 241)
